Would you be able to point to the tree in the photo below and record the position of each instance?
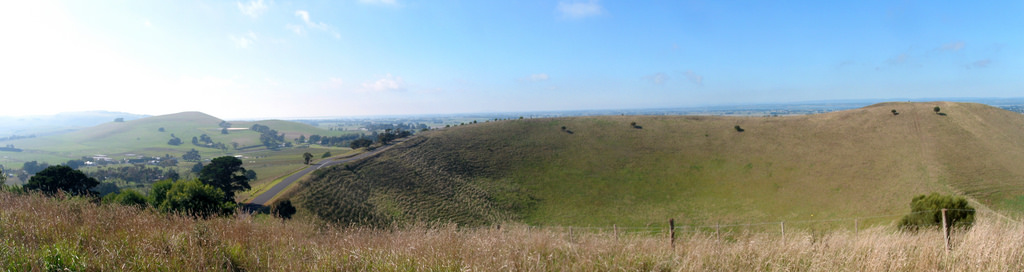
(936, 109)
(361, 142)
(738, 128)
(227, 174)
(302, 139)
(326, 154)
(192, 155)
(61, 178)
(225, 124)
(894, 112)
(306, 156)
(161, 129)
(119, 120)
(3, 176)
(172, 174)
(158, 193)
(127, 197)
(174, 141)
(224, 131)
(926, 211)
(283, 209)
(197, 199)
(195, 140)
(197, 167)
(251, 175)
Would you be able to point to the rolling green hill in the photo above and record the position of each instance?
(601, 171)
(143, 137)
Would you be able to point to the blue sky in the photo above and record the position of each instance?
(293, 59)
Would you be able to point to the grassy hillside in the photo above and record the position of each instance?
(48, 234)
(697, 169)
(143, 137)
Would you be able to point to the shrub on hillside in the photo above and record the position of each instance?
(61, 178)
(127, 197)
(926, 212)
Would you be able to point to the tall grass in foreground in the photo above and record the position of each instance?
(38, 233)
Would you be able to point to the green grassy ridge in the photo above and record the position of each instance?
(697, 169)
(142, 136)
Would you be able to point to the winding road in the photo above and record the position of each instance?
(262, 199)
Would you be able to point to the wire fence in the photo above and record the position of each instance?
(851, 223)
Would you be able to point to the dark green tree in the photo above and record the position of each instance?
(224, 131)
(738, 128)
(251, 175)
(61, 178)
(127, 197)
(283, 209)
(306, 156)
(158, 193)
(197, 167)
(326, 154)
(192, 155)
(926, 211)
(197, 199)
(227, 174)
(936, 109)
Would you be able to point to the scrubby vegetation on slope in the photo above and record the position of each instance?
(642, 170)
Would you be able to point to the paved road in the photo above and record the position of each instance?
(263, 198)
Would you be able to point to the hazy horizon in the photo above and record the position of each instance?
(283, 59)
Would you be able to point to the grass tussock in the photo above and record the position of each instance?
(38, 233)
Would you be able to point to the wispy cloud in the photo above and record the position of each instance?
(304, 15)
(253, 9)
(982, 63)
(694, 78)
(657, 78)
(898, 59)
(953, 46)
(535, 78)
(244, 41)
(387, 83)
(579, 9)
(381, 2)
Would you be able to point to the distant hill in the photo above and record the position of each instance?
(58, 123)
(144, 137)
(602, 170)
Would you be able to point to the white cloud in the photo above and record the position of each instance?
(244, 41)
(304, 15)
(694, 78)
(982, 63)
(657, 78)
(296, 28)
(253, 9)
(305, 18)
(535, 78)
(953, 46)
(382, 2)
(387, 83)
(147, 23)
(577, 9)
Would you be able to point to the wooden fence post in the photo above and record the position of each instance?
(615, 231)
(856, 227)
(672, 232)
(782, 224)
(718, 228)
(945, 229)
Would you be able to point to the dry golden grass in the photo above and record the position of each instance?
(38, 233)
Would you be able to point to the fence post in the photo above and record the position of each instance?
(570, 234)
(718, 227)
(945, 229)
(672, 232)
(782, 224)
(615, 231)
(856, 226)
